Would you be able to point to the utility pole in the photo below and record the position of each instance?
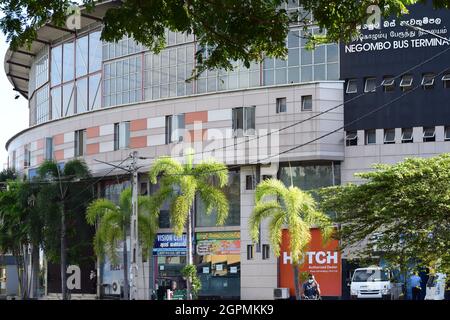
(134, 235)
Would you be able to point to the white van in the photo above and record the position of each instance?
(373, 283)
(436, 287)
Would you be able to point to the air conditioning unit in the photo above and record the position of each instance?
(281, 293)
(115, 288)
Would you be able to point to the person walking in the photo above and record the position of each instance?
(415, 283)
(311, 289)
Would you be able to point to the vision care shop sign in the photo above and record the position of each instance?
(169, 244)
(393, 34)
(322, 261)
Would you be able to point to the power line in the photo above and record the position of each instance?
(331, 132)
(316, 115)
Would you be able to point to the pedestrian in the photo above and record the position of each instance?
(311, 289)
(416, 288)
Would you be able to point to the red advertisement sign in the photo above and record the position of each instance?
(324, 262)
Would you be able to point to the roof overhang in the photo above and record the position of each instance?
(17, 63)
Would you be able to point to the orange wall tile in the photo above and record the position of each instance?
(196, 135)
(59, 155)
(200, 116)
(39, 159)
(92, 148)
(139, 124)
(40, 144)
(58, 139)
(92, 132)
(138, 142)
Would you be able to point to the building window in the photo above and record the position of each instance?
(80, 143)
(250, 252)
(389, 136)
(42, 105)
(352, 86)
(175, 128)
(447, 133)
(244, 121)
(249, 182)
(306, 103)
(388, 84)
(370, 137)
(429, 134)
(265, 251)
(407, 135)
(14, 159)
(122, 81)
(281, 105)
(121, 135)
(446, 80)
(49, 148)
(266, 177)
(406, 82)
(27, 156)
(370, 85)
(428, 81)
(351, 139)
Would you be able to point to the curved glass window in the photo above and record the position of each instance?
(56, 65)
(42, 105)
(95, 52)
(56, 102)
(82, 56)
(69, 61)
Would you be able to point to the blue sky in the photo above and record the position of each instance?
(13, 113)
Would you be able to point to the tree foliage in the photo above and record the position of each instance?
(113, 222)
(404, 208)
(180, 183)
(291, 208)
(226, 30)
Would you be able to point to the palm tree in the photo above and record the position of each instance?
(113, 223)
(291, 208)
(62, 181)
(179, 184)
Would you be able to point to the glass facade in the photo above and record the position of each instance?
(75, 76)
(86, 73)
(310, 176)
(123, 81)
(218, 262)
(302, 65)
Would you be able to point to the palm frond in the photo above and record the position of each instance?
(269, 187)
(214, 199)
(48, 168)
(125, 203)
(179, 210)
(97, 209)
(76, 168)
(261, 211)
(212, 169)
(164, 165)
(276, 231)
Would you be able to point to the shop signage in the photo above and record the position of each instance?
(392, 34)
(218, 243)
(322, 261)
(168, 244)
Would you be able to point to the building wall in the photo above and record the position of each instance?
(208, 118)
(362, 157)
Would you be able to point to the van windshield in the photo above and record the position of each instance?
(370, 275)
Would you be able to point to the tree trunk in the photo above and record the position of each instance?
(189, 252)
(34, 271)
(25, 257)
(296, 282)
(126, 284)
(63, 254)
